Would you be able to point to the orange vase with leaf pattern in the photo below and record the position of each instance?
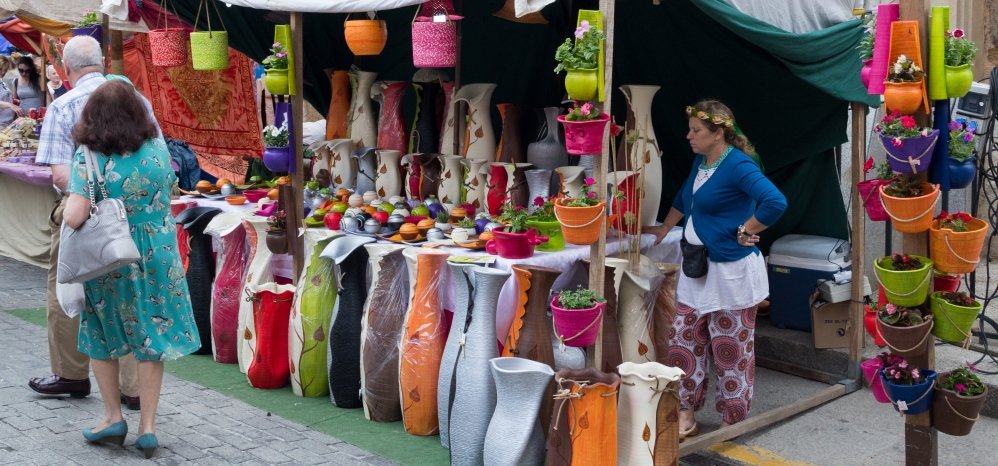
(584, 422)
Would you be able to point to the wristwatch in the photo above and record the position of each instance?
(743, 232)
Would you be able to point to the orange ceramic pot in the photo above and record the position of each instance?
(365, 36)
(903, 97)
(584, 423)
(580, 225)
(911, 214)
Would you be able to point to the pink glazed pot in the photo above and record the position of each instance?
(871, 371)
(514, 245)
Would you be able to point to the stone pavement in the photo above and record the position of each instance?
(195, 425)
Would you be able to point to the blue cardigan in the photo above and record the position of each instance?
(735, 192)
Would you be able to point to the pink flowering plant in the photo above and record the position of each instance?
(583, 111)
(899, 127)
(963, 381)
(900, 316)
(960, 50)
(278, 222)
(543, 209)
(962, 139)
(588, 197)
(583, 52)
(514, 217)
(900, 372)
(278, 58)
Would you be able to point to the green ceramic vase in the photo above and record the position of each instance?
(581, 84)
(276, 82)
(958, 80)
(551, 229)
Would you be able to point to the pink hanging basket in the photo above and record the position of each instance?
(584, 137)
(869, 192)
(434, 35)
(168, 46)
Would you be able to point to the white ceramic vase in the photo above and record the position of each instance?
(389, 180)
(571, 180)
(258, 272)
(514, 436)
(363, 128)
(479, 137)
(343, 170)
(449, 190)
(645, 151)
(635, 303)
(641, 388)
(474, 183)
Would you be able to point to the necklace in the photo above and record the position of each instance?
(704, 166)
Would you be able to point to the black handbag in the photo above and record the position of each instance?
(694, 258)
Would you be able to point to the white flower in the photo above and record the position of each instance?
(902, 58)
(897, 68)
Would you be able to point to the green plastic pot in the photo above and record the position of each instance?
(551, 229)
(276, 82)
(953, 322)
(210, 50)
(908, 287)
(581, 84)
(958, 80)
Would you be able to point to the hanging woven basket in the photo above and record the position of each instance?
(434, 35)
(168, 46)
(209, 49)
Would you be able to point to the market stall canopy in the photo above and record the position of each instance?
(324, 6)
(21, 35)
(63, 11)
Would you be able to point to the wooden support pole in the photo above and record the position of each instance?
(105, 22)
(858, 241)
(297, 181)
(117, 53)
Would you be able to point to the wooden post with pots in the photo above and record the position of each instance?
(856, 337)
(296, 211)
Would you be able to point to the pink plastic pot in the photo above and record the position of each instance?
(869, 192)
(871, 371)
(584, 137)
(514, 245)
(577, 327)
(945, 282)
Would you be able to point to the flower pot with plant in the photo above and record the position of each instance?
(277, 235)
(581, 218)
(276, 153)
(955, 313)
(865, 48)
(581, 60)
(544, 221)
(960, 54)
(870, 313)
(277, 70)
(869, 190)
(909, 202)
(904, 277)
(905, 330)
(959, 398)
(584, 126)
(956, 241)
(89, 25)
(443, 221)
(903, 87)
(962, 150)
(909, 147)
(871, 372)
(577, 316)
(908, 387)
(515, 240)
(463, 230)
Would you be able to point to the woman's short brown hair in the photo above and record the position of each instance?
(114, 120)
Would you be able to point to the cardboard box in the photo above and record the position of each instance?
(829, 323)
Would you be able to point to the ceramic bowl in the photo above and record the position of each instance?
(254, 195)
(435, 234)
(235, 200)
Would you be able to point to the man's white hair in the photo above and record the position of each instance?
(82, 52)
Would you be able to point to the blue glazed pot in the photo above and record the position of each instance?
(910, 393)
(961, 173)
(277, 159)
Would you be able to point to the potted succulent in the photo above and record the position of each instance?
(871, 371)
(463, 230)
(909, 387)
(869, 190)
(960, 54)
(276, 153)
(276, 64)
(544, 221)
(962, 149)
(581, 218)
(443, 221)
(865, 48)
(904, 329)
(909, 146)
(514, 240)
(956, 241)
(909, 202)
(89, 25)
(584, 125)
(580, 58)
(959, 398)
(577, 316)
(955, 313)
(903, 87)
(277, 235)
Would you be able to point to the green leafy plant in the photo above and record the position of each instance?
(956, 222)
(583, 53)
(514, 217)
(902, 373)
(962, 139)
(960, 50)
(588, 197)
(466, 222)
(89, 19)
(958, 298)
(443, 217)
(900, 316)
(274, 136)
(903, 186)
(580, 298)
(278, 58)
(904, 71)
(963, 381)
(543, 209)
(866, 44)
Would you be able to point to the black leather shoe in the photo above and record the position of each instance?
(131, 402)
(55, 385)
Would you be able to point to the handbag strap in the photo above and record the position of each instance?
(93, 172)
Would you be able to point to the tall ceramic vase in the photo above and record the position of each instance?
(584, 422)
(412, 174)
(448, 127)
(310, 314)
(227, 293)
(391, 125)
(500, 178)
(665, 310)
(645, 151)
(425, 134)
(448, 361)
(429, 175)
(624, 207)
(521, 385)
(511, 148)
(367, 168)
(384, 311)
(363, 130)
(571, 180)
(519, 190)
(636, 303)
(538, 185)
(337, 120)
(344, 327)
(548, 152)
(614, 269)
(270, 304)
(474, 184)
(342, 167)
(258, 272)
(321, 158)
(201, 271)
(422, 344)
(473, 389)
(449, 191)
(641, 438)
(389, 180)
(479, 138)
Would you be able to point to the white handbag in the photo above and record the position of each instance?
(103, 243)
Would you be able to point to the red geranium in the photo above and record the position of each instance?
(955, 222)
(907, 121)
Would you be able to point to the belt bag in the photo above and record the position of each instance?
(103, 243)
(694, 259)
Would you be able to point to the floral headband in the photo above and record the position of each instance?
(727, 122)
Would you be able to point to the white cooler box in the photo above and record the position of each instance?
(796, 264)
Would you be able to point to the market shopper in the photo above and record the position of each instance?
(726, 202)
(8, 111)
(70, 369)
(143, 308)
(55, 84)
(28, 93)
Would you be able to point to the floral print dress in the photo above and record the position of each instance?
(143, 308)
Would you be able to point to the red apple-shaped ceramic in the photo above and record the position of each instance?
(381, 216)
(332, 220)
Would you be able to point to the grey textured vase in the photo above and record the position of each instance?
(473, 396)
(588, 163)
(367, 171)
(539, 185)
(549, 150)
(520, 384)
(447, 362)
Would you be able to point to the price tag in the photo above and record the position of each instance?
(902, 406)
(439, 18)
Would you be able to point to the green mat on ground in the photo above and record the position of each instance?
(386, 439)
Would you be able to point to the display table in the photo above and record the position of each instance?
(27, 201)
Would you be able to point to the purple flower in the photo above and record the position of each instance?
(897, 375)
(915, 374)
(953, 126)
(590, 181)
(968, 137)
(281, 54)
(891, 309)
(276, 45)
(579, 32)
(903, 364)
(960, 388)
(897, 142)
(924, 132)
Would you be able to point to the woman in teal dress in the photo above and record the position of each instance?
(143, 308)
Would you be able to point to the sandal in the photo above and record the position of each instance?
(691, 432)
